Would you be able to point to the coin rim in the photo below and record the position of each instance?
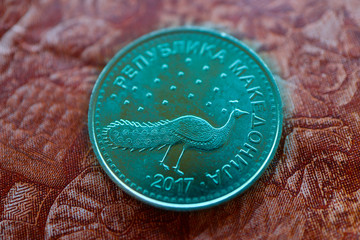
(183, 206)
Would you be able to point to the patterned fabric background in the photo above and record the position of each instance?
(51, 185)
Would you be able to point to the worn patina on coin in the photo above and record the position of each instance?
(185, 118)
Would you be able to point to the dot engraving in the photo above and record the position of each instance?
(206, 67)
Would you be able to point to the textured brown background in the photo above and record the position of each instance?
(51, 185)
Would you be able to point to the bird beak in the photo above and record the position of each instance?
(243, 112)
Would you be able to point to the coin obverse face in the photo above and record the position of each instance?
(185, 118)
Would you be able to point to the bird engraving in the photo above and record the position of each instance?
(191, 131)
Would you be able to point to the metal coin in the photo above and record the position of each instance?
(185, 118)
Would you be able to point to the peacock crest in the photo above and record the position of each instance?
(191, 131)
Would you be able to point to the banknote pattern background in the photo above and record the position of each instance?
(51, 185)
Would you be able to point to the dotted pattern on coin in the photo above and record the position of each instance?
(185, 118)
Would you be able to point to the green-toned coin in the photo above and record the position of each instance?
(185, 118)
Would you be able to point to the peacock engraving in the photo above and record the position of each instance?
(191, 131)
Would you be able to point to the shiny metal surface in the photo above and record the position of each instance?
(185, 118)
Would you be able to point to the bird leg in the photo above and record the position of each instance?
(178, 162)
(162, 161)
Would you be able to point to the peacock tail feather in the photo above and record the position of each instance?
(132, 135)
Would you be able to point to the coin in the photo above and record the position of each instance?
(185, 118)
